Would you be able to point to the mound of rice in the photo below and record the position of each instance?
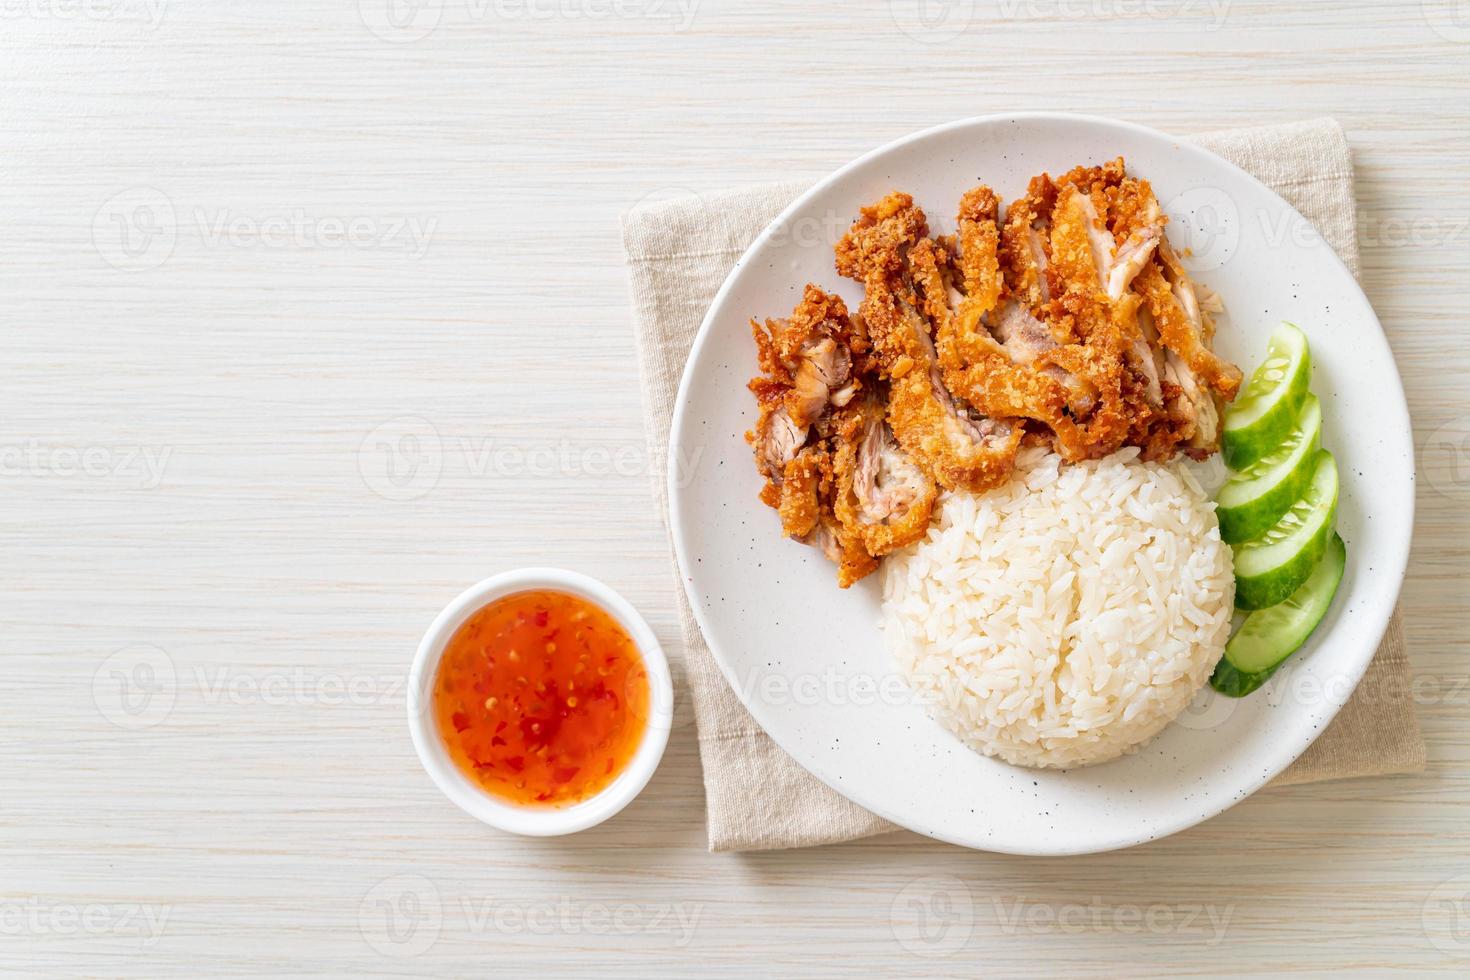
(1066, 618)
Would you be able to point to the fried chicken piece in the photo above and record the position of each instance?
(832, 469)
(1071, 324)
(1203, 380)
(844, 549)
(882, 496)
(1172, 382)
(1166, 334)
(1137, 227)
(1081, 309)
(1097, 180)
(808, 513)
(1122, 246)
(1184, 325)
(1024, 259)
(776, 437)
(1037, 334)
(1023, 244)
(808, 360)
(958, 448)
(1000, 369)
(799, 501)
(1167, 429)
(811, 352)
(780, 457)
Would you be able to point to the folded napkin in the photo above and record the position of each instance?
(680, 251)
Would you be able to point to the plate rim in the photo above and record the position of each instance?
(1396, 565)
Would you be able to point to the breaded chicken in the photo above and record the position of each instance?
(1081, 311)
(832, 469)
(1068, 322)
(994, 358)
(881, 494)
(811, 352)
(958, 448)
(1201, 381)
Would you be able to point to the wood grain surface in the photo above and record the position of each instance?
(315, 313)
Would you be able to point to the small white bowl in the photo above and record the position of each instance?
(533, 820)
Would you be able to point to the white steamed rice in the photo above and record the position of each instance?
(1067, 617)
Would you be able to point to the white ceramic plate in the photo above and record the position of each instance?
(808, 660)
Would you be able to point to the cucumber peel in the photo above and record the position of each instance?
(1269, 568)
(1265, 411)
(1255, 499)
(1269, 636)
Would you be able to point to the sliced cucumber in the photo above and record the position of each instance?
(1269, 636)
(1229, 681)
(1256, 498)
(1265, 411)
(1269, 568)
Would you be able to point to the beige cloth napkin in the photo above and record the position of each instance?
(680, 251)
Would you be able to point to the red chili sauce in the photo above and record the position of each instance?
(541, 698)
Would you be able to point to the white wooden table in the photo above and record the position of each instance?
(316, 314)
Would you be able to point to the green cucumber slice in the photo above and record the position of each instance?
(1269, 636)
(1256, 498)
(1264, 412)
(1229, 681)
(1269, 568)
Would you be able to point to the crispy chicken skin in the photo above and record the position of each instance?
(1200, 381)
(811, 352)
(1096, 333)
(1047, 329)
(881, 495)
(886, 250)
(832, 469)
(804, 483)
(812, 473)
(1023, 244)
(1064, 320)
(808, 364)
(776, 438)
(844, 549)
(1161, 322)
(998, 358)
